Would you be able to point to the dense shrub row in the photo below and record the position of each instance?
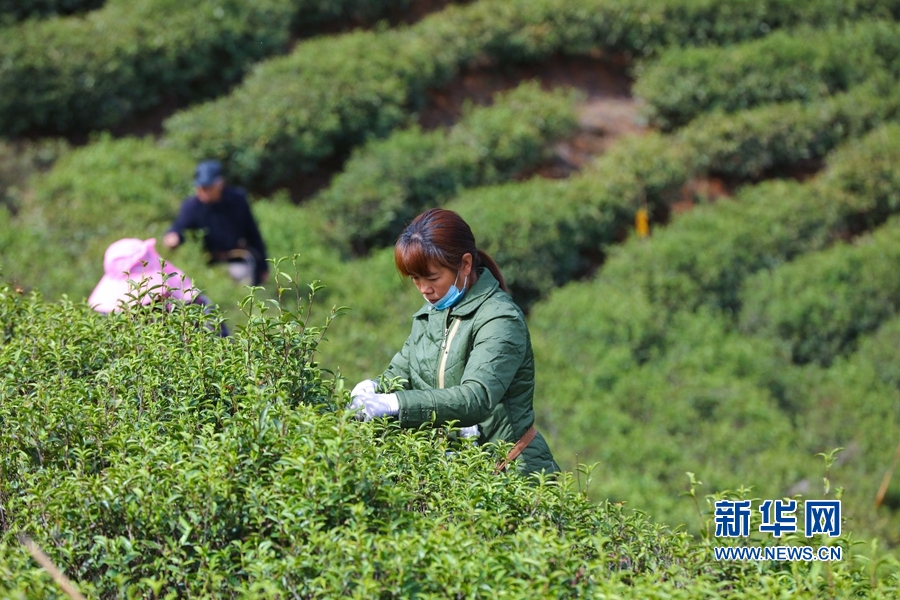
(821, 303)
(701, 406)
(859, 395)
(547, 232)
(360, 85)
(20, 161)
(802, 64)
(148, 456)
(749, 143)
(879, 350)
(78, 74)
(15, 10)
(620, 366)
(703, 257)
(726, 406)
(636, 380)
(388, 182)
(544, 233)
(643, 370)
(592, 336)
(181, 463)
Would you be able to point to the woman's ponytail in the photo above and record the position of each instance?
(485, 259)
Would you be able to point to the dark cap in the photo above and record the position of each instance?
(207, 173)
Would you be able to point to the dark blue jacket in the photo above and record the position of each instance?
(227, 225)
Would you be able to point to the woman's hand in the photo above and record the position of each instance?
(366, 386)
(470, 432)
(372, 405)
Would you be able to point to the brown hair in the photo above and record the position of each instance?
(440, 237)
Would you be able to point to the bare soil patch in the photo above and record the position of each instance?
(607, 112)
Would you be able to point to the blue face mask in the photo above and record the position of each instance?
(451, 297)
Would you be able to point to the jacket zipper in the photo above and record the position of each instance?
(445, 350)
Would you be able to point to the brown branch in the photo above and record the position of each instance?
(887, 478)
(42, 559)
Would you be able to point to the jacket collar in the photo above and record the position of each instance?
(473, 298)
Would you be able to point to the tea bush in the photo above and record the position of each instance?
(725, 406)
(56, 236)
(704, 405)
(749, 143)
(386, 183)
(704, 257)
(821, 303)
(80, 74)
(802, 64)
(20, 161)
(852, 405)
(658, 322)
(354, 87)
(379, 318)
(16, 10)
(183, 464)
(879, 350)
(544, 233)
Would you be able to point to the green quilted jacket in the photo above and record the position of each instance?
(473, 364)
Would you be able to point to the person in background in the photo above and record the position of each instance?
(152, 279)
(230, 233)
(468, 358)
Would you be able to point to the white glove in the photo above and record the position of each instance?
(366, 386)
(376, 405)
(469, 432)
(356, 403)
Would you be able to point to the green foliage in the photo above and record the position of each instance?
(708, 399)
(821, 303)
(701, 406)
(880, 349)
(129, 187)
(184, 462)
(386, 183)
(802, 64)
(354, 87)
(748, 143)
(363, 342)
(386, 385)
(853, 404)
(544, 233)
(108, 190)
(16, 10)
(642, 366)
(149, 457)
(703, 257)
(80, 74)
(19, 161)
